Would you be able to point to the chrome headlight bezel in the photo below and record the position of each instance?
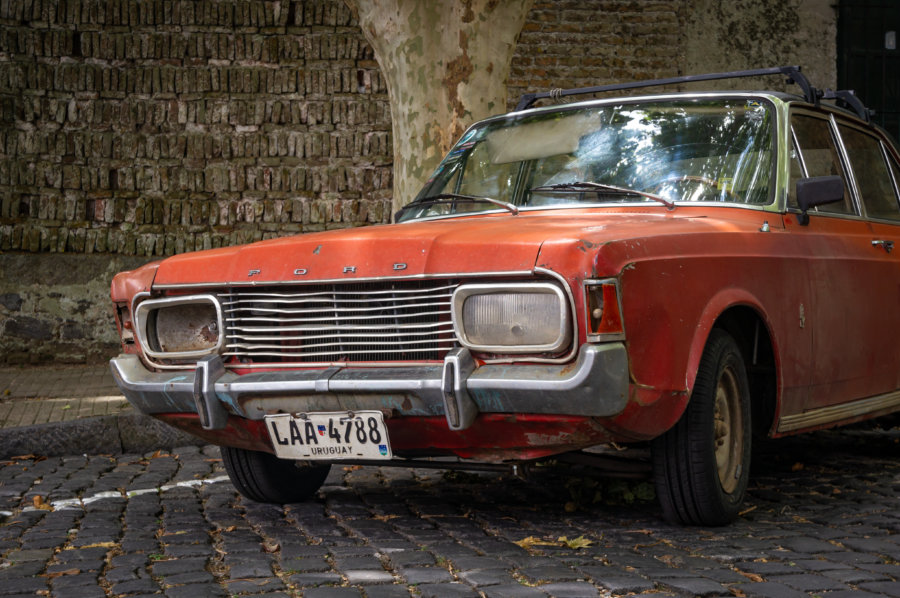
(144, 313)
(564, 330)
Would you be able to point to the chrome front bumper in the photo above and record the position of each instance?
(595, 385)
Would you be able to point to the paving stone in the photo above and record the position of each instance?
(885, 588)
(485, 577)
(332, 593)
(357, 562)
(368, 576)
(807, 582)
(817, 565)
(311, 580)
(420, 575)
(570, 589)
(176, 566)
(255, 586)
(240, 566)
(548, 572)
(806, 545)
(26, 585)
(210, 590)
(471, 563)
(190, 577)
(695, 586)
(623, 584)
(447, 590)
(85, 591)
(513, 591)
(411, 558)
(770, 590)
(136, 586)
(385, 591)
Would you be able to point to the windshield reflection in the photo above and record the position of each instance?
(685, 151)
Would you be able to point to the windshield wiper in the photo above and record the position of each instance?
(455, 197)
(601, 188)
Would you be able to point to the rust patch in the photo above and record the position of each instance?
(584, 245)
(208, 335)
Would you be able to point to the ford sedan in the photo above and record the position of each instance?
(688, 270)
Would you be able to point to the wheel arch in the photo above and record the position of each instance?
(741, 316)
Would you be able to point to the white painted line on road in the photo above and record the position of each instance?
(79, 503)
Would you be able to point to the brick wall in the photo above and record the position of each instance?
(156, 127)
(583, 43)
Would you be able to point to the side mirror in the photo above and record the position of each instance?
(818, 191)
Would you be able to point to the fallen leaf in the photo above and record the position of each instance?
(751, 576)
(532, 541)
(56, 574)
(384, 517)
(575, 543)
(797, 467)
(270, 546)
(94, 545)
(39, 503)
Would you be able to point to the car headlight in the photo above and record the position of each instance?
(512, 318)
(179, 327)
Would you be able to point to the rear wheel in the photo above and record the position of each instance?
(702, 465)
(266, 478)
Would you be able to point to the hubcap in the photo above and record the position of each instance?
(728, 433)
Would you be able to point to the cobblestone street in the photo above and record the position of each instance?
(822, 520)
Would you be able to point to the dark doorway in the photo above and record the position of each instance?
(869, 58)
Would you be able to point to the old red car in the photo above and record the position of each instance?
(685, 269)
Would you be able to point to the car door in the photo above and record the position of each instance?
(849, 279)
(874, 169)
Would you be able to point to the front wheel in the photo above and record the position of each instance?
(702, 465)
(266, 478)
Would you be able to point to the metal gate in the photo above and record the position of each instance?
(869, 58)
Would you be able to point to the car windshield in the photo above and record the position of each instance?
(662, 152)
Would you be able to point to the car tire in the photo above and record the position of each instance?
(701, 466)
(262, 477)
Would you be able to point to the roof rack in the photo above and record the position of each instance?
(793, 74)
(810, 93)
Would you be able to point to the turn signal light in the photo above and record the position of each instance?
(604, 314)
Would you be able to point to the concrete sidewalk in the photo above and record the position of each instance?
(70, 410)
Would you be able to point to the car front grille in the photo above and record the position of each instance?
(354, 322)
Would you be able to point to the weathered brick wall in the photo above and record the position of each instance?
(583, 43)
(161, 126)
(148, 128)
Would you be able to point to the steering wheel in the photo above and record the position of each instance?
(678, 178)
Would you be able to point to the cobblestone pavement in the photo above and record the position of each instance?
(822, 520)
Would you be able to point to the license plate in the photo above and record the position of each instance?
(329, 436)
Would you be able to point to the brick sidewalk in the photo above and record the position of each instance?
(48, 394)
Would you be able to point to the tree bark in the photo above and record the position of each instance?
(446, 64)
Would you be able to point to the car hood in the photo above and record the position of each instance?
(477, 244)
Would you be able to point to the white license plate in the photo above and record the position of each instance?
(329, 436)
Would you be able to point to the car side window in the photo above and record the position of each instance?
(873, 178)
(818, 156)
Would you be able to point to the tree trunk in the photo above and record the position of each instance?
(446, 64)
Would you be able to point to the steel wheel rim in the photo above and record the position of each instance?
(728, 433)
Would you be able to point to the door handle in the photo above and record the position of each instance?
(884, 244)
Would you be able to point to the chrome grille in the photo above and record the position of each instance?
(362, 322)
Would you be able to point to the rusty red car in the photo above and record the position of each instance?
(686, 269)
